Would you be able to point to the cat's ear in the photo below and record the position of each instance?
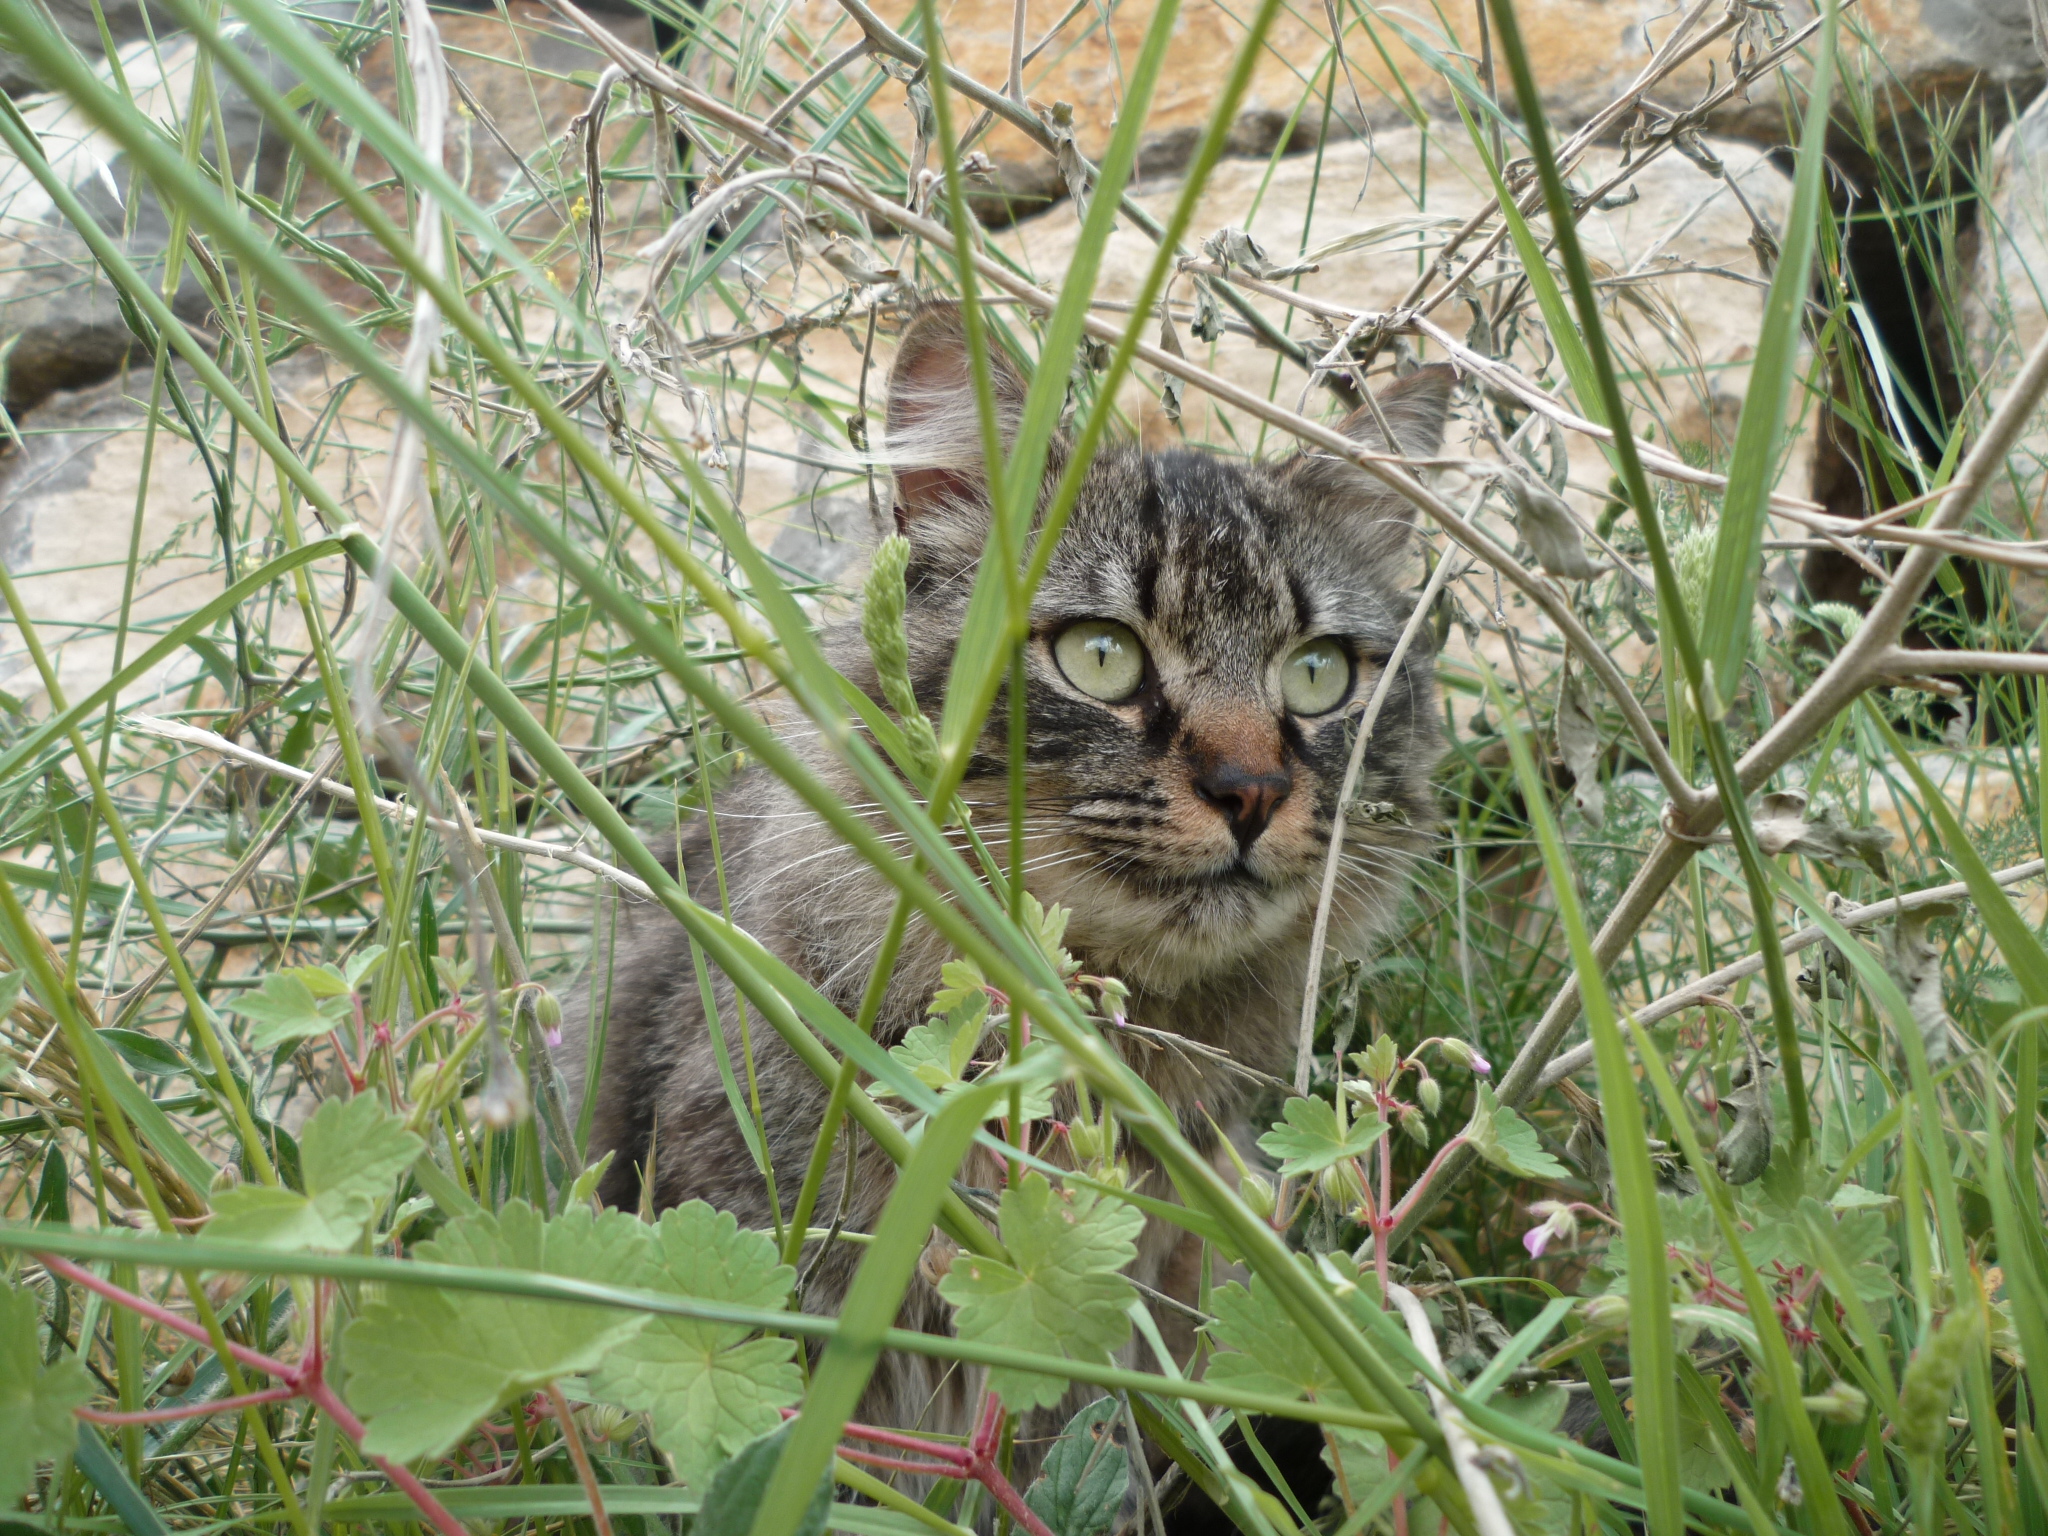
(1415, 410)
(934, 427)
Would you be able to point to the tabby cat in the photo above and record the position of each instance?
(1203, 641)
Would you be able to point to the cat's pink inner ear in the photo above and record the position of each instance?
(935, 443)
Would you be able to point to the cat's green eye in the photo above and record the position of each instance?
(1316, 678)
(1101, 658)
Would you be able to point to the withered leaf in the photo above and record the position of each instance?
(1784, 825)
(1578, 743)
(1548, 528)
(1232, 247)
(1914, 962)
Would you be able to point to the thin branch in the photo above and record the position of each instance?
(1900, 662)
(1580, 1057)
(1320, 932)
(192, 735)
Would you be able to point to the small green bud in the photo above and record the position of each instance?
(229, 1175)
(1086, 1140)
(1605, 1311)
(1460, 1054)
(1415, 1125)
(1341, 1186)
(602, 1422)
(1257, 1193)
(503, 1103)
(1431, 1092)
(1840, 1404)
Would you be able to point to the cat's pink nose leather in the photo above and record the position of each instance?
(1248, 796)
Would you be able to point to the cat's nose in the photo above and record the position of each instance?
(1247, 796)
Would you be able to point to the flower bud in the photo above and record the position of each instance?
(503, 1103)
(1340, 1185)
(1257, 1193)
(1431, 1092)
(1086, 1140)
(229, 1175)
(1605, 1311)
(547, 1013)
(1415, 1125)
(1840, 1404)
(1460, 1054)
(601, 1422)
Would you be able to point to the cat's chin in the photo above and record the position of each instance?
(1166, 931)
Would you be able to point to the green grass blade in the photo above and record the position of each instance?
(1651, 1349)
(1780, 1369)
(2017, 942)
(872, 1303)
(1745, 505)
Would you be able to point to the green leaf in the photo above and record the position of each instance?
(425, 1365)
(963, 981)
(938, 1053)
(151, 1055)
(294, 1004)
(1267, 1351)
(707, 1387)
(1086, 1472)
(1065, 1296)
(1309, 1141)
(735, 1494)
(1508, 1141)
(350, 1151)
(361, 964)
(35, 1400)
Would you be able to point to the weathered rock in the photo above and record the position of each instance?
(128, 21)
(1684, 324)
(56, 305)
(2005, 309)
(1585, 53)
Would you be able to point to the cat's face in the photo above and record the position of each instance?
(1203, 643)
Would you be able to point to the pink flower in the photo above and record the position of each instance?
(1559, 1222)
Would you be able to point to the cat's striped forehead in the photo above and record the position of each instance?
(1225, 560)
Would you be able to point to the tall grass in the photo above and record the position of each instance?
(338, 832)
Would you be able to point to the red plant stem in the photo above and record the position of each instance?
(958, 1456)
(305, 1381)
(976, 1460)
(1000, 1488)
(988, 1434)
(1420, 1187)
(190, 1411)
(581, 1457)
(436, 1512)
(355, 1078)
(909, 1468)
(163, 1317)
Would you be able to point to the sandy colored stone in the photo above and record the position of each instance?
(1685, 329)
(2005, 308)
(68, 500)
(1584, 53)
